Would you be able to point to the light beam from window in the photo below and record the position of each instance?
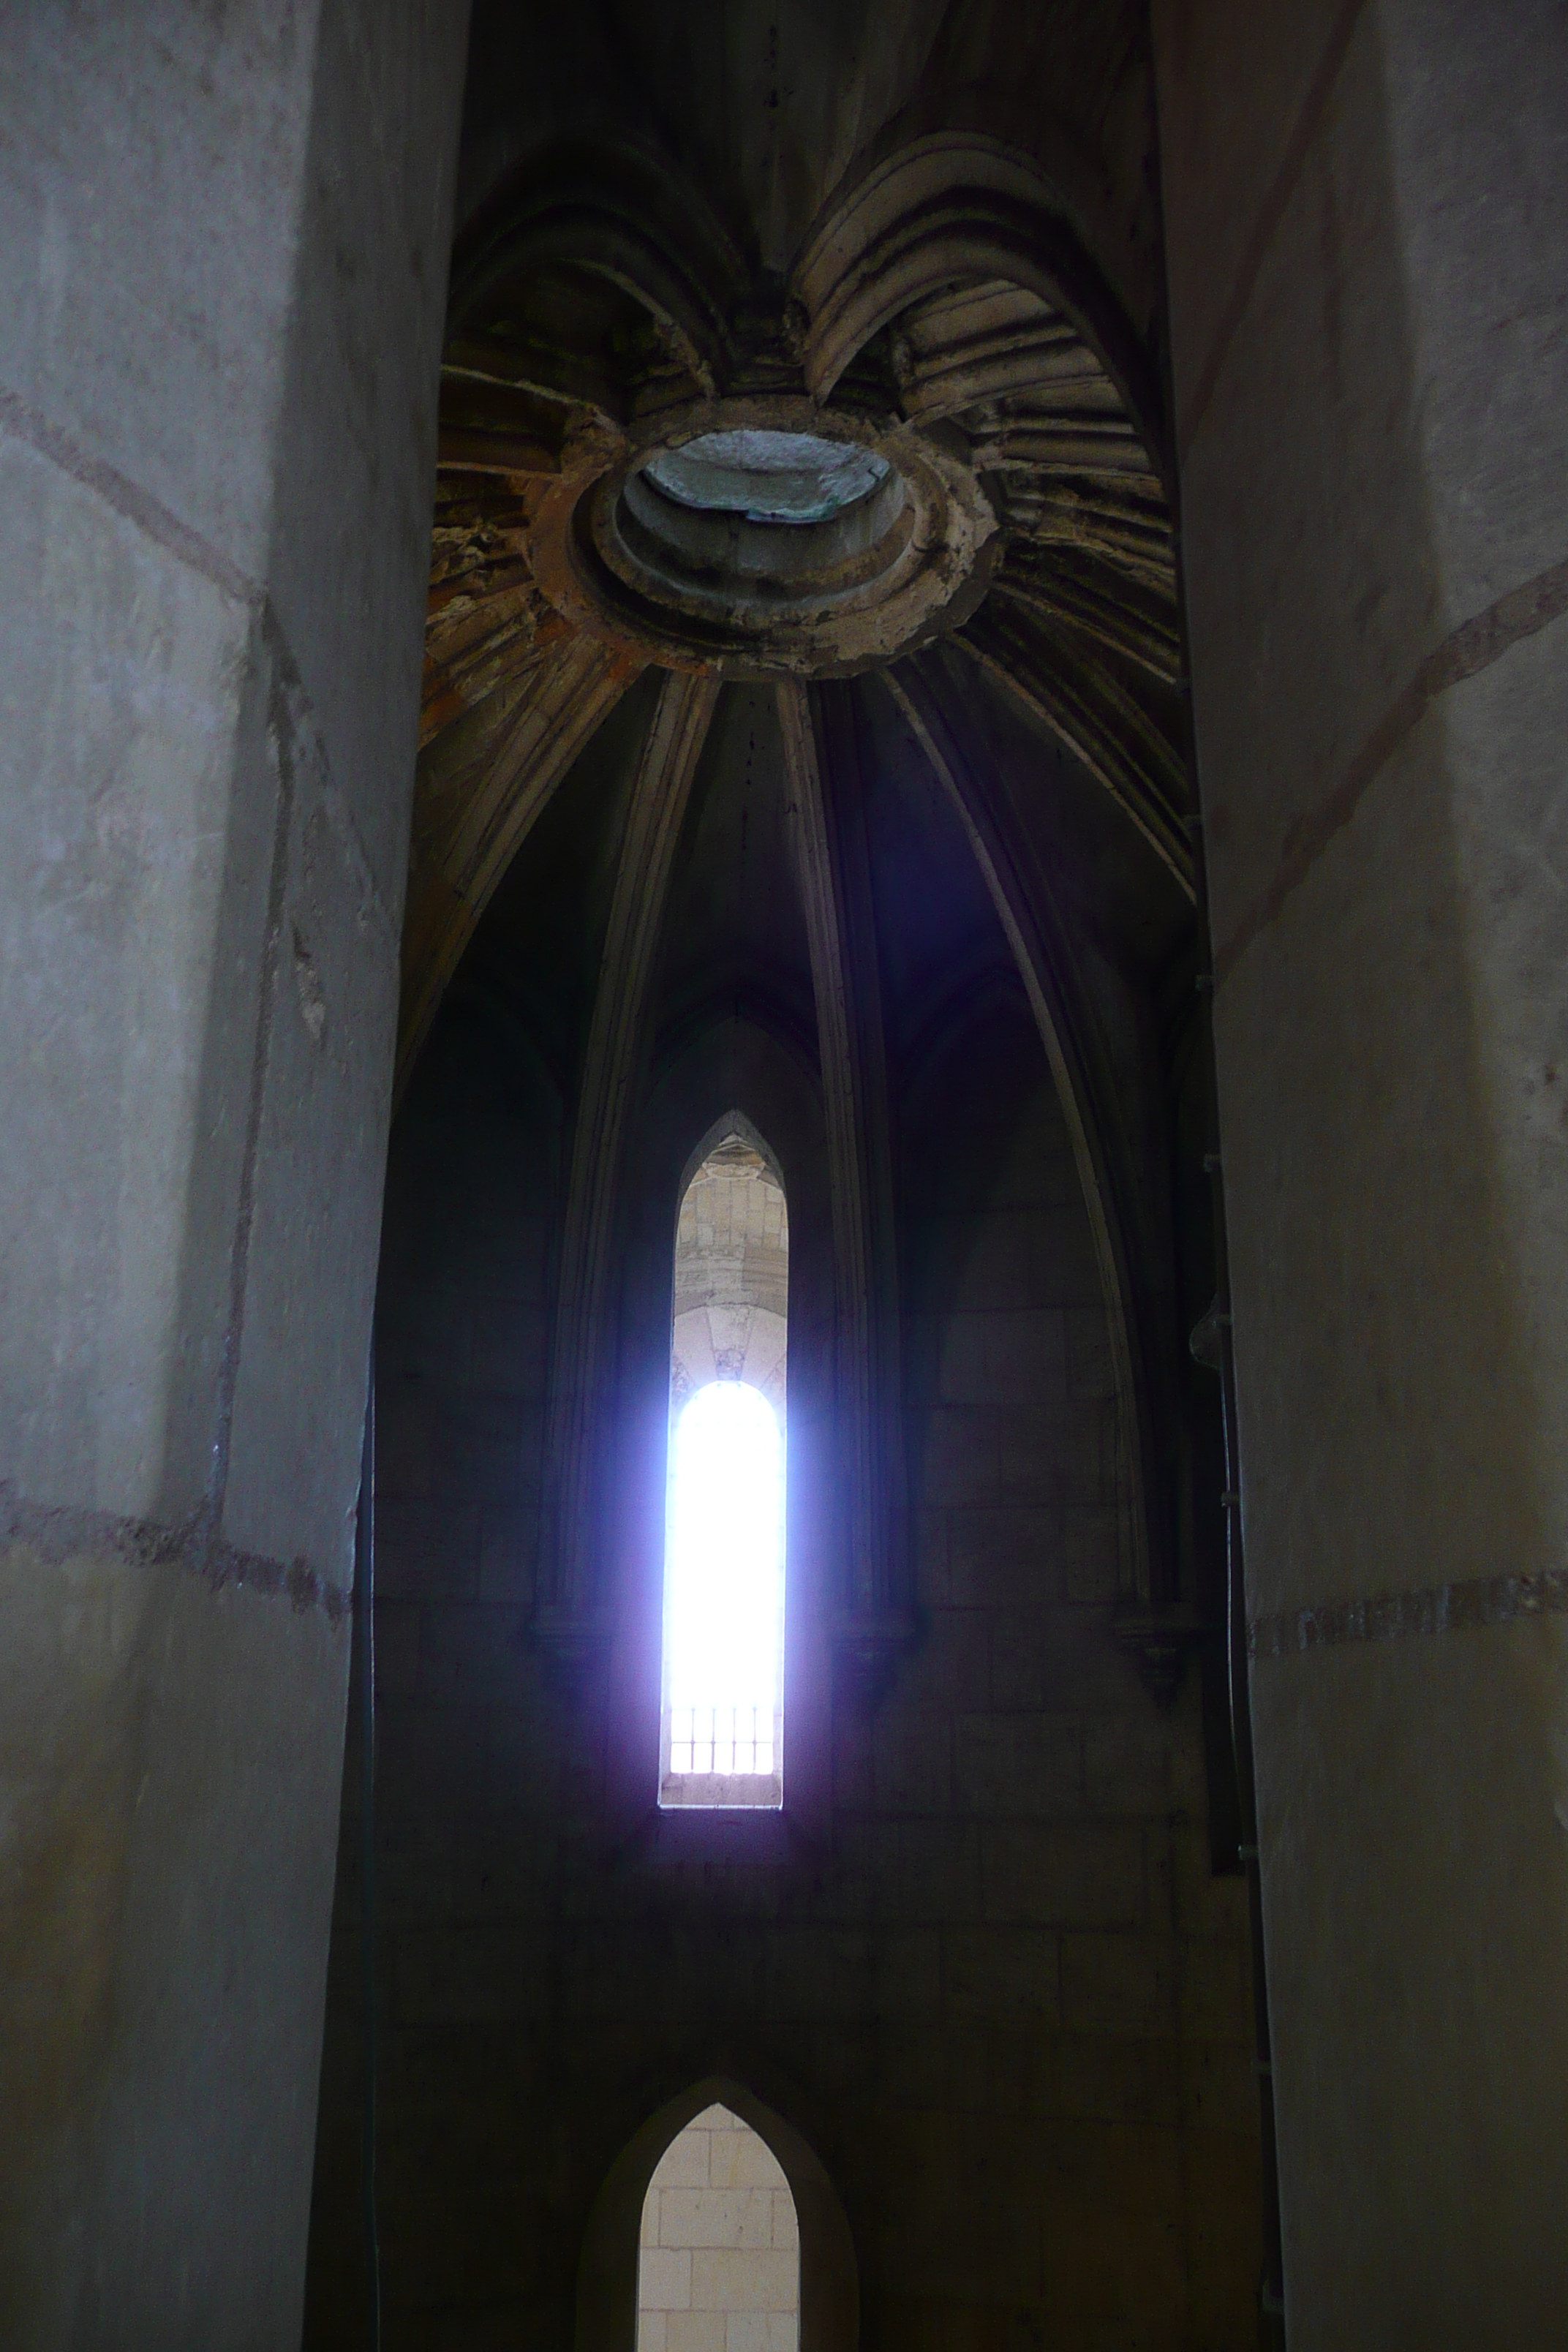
(724, 1602)
(722, 1700)
(725, 1596)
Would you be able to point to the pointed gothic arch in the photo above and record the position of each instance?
(608, 2268)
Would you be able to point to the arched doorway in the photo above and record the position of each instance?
(742, 2134)
(719, 2251)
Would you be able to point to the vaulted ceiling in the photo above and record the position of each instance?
(920, 241)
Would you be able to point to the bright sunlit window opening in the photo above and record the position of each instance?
(725, 1596)
(722, 1736)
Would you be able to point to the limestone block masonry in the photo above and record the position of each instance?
(719, 2260)
(993, 1983)
(1366, 204)
(222, 253)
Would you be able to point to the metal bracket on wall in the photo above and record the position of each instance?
(1159, 1641)
(1207, 1340)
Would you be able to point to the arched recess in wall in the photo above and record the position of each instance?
(607, 2272)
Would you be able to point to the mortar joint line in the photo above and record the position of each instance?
(1270, 213)
(58, 1531)
(1458, 1607)
(159, 524)
(290, 719)
(1465, 653)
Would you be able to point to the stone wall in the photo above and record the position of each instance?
(223, 255)
(995, 1987)
(719, 2263)
(1366, 210)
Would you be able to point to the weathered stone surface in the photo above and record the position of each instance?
(1366, 209)
(221, 315)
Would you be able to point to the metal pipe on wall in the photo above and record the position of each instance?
(364, 1648)
(1211, 1345)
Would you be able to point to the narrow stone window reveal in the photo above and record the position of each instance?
(723, 1735)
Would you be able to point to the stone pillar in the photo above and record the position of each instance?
(826, 823)
(224, 238)
(569, 1622)
(1367, 221)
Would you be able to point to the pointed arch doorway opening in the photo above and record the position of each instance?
(718, 2255)
(610, 2273)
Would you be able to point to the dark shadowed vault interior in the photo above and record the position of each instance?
(804, 761)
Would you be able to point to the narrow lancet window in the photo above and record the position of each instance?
(723, 1740)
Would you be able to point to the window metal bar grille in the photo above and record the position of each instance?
(722, 1739)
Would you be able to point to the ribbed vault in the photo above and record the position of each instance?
(963, 313)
